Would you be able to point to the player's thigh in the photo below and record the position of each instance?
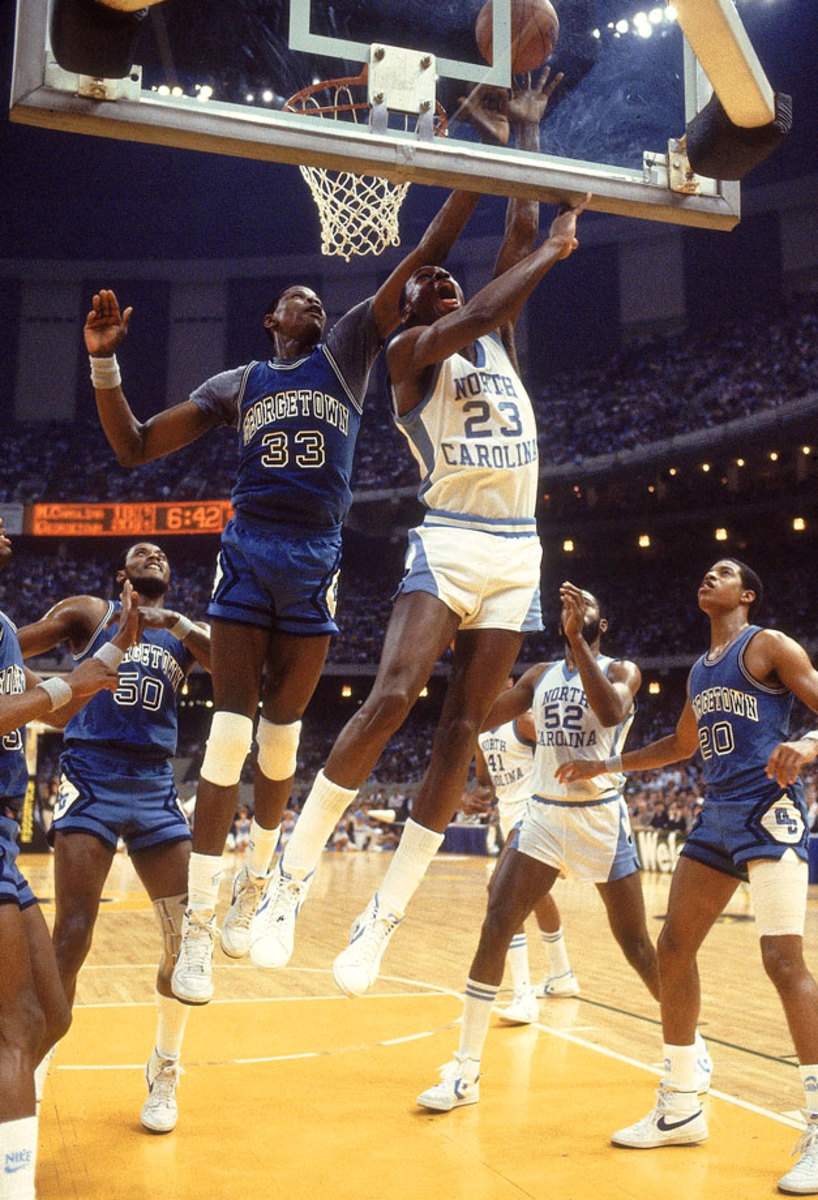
(292, 668)
(237, 656)
(163, 869)
(519, 883)
(698, 896)
(482, 661)
(420, 629)
(81, 865)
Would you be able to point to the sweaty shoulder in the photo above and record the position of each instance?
(353, 343)
(219, 395)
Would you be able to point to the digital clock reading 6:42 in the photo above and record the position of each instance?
(127, 520)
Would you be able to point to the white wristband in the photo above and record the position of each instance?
(105, 372)
(812, 736)
(614, 763)
(59, 691)
(182, 628)
(110, 654)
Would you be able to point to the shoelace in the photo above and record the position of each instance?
(198, 946)
(246, 900)
(808, 1142)
(163, 1088)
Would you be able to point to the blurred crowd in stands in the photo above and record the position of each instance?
(647, 392)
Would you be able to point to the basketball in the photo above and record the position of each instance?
(535, 28)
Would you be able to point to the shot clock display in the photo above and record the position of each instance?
(127, 520)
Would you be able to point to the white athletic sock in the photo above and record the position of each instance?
(261, 847)
(680, 1074)
(203, 875)
(415, 851)
(18, 1156)
(809, 1081)
(322, 810)
(557, 952)
(518, 964)
(170, 1028)
(477, 1006)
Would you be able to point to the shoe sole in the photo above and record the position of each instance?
(518, 1020)
(194, 1001)
(157, 1129)
(443, 1107)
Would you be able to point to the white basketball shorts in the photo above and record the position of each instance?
(491, 581)
(583, 841)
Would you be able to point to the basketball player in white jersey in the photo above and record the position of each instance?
(472, 573)
(503, 764)
(585, 702)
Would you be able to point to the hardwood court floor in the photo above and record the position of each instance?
(291, 1088)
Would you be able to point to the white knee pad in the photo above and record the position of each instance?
(778, 887)
(277, 748)
(227, 748)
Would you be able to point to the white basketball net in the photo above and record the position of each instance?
(358, 213)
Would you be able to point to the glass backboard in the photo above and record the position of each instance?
(215, 76)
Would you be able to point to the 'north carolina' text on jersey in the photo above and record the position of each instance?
(13, 769)
(474, 437)
(298, 421)
(139, 719)
(740, 721)
(567, 727)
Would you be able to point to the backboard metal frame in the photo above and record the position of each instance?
(45, 96)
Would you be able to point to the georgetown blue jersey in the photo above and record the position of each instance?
(740, 721)
(139, 718)
(13, 769)
(298, 421)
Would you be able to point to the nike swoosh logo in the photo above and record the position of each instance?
(10, 1170)
(667, 1126)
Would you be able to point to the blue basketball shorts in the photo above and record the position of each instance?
(114, 797)
(14, 888)
(277, 577)
(730, 833)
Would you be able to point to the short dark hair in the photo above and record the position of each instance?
(752, 583)
(276, 300)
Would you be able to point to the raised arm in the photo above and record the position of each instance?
(71, 620)
(194, 635)
(420, 346)
(432, 250)
(675, 748)
(609, 695)
(134, 442)
(515, 700)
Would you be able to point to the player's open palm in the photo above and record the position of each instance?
(105, 327)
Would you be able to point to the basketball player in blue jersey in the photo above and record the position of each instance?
(117, 781)
(34, 1011)
(472, 572)
(581, 831)
(503, 765)
(272, 610)
(753, 821)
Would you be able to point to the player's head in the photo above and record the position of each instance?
(295, 314)
(594, 624)
(148, 569)
(428, 294)
(730, 584)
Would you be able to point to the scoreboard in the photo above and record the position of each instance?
(127, 520)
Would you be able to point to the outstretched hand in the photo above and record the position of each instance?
(105, 327)
(574, 606)
(564, 226)
(127, 618)
(485, 110)
(527, 104)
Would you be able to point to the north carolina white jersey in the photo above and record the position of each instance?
(474, 437)
(509, 758)
(568, 728)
